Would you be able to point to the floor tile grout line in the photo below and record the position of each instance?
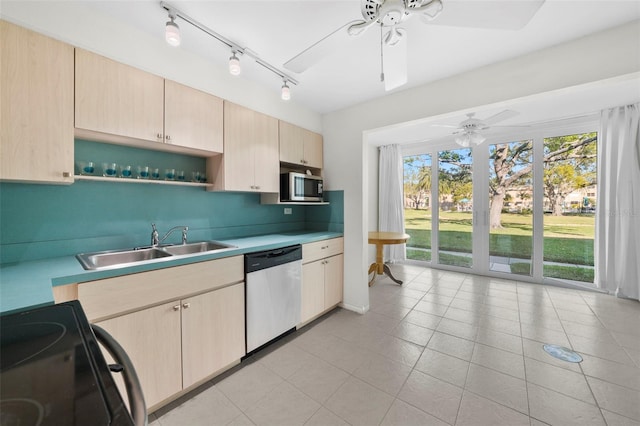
(524, 363)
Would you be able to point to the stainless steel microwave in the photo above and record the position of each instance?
(300, 187)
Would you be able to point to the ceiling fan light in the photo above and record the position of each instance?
(286, 92)
(172, 33)
(463, 140)
(234, 65)
(476, 138)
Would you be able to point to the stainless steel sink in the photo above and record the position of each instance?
(105, 259)
(120, 258)
(200, 247)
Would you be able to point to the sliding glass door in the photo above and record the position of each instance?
(418, 205)
(510, 206)
(569, 185)
(455, 208)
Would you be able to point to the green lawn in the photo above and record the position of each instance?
(567, 239)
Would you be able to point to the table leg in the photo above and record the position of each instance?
(387, 271)
(373, 269)
(379, 258)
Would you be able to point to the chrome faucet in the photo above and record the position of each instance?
(156, 241)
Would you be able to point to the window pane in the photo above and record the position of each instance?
(569, 206)
(511, 211)
(417, 206)
(455, 215)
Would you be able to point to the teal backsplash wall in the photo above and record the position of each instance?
(327, 217)
(42, 221)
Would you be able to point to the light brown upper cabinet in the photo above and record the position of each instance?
(251, 159)
(119, 103)
(192, 118)
(300, 146)
(36, 112)
(117, 99)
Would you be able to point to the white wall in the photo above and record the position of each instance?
(80, 25)
(349, 160)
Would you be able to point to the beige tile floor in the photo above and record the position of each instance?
(443, 349)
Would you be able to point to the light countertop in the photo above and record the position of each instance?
(28, 284)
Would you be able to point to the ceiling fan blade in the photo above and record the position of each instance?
(511, 127)
(394, 63)
(323, 48)
(449, 126)
(501, 116)
(491, 14)
(429, 10)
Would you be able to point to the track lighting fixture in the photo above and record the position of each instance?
(234, 64)
(286, 92)
(173, 38)
(172, 31)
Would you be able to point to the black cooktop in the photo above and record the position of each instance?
(53, 373)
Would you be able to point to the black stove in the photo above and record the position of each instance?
(52, 371)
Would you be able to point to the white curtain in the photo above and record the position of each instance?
(617, 244)
(391, 198)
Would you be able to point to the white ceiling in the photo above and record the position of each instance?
(279, 30)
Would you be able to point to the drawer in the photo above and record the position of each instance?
(321, 249)
(106, 298)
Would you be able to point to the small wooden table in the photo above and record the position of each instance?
(380, 239)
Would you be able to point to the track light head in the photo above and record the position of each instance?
(172, 31)
(234, 64)
(286, 91)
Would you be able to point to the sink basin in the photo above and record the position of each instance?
(120, 258)
(201, 247)
(105, 259)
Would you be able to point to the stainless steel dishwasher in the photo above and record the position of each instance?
(273, 280)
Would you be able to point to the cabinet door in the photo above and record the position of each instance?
(313, 149)
(193, 118)
(291, 143)
(266, 153)
(212, 332)
(151, 338)
(313, 292)
(238, 148)
(333, 280)
(118, 99)
(36, 107)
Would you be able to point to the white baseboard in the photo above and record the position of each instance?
(358, 309)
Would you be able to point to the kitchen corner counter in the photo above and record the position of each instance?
(29, 284)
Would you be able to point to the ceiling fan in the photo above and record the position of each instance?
(469, 131)
(390, 14)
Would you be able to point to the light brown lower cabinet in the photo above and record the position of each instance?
(178, 344)
(152, 340)
(322, 278)
(212, 332)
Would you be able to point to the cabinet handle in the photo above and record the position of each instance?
(168, 138)
(159, 135)
(186, 305)
(66, 174)
(257, 187)
(176, 307)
